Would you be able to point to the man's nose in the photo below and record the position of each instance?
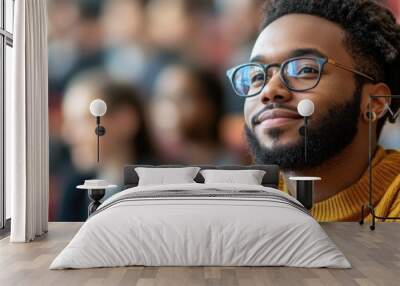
(275, 91)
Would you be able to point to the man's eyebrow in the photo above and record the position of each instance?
(292, 54)
(306, 52)
(257, 59)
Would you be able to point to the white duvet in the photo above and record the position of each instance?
(188, 231)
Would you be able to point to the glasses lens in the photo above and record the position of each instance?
(301, 74)
(248, 80)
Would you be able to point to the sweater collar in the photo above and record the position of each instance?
(346, 204)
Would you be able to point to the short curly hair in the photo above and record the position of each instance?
(372, 36)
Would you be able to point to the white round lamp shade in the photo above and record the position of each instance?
(98, 107)
(305, 107)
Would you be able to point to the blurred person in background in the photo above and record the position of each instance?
(63, 15)
(175, 25)
(123, 24)
(177, 29)
(126, 140)
(394, 6)
(75, 40)
(239, 22)
(63, 19)
(75, 44)
(186, 112)
(238, 27)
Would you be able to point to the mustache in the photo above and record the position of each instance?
(270, 106)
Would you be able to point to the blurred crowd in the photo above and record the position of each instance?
(160, 67)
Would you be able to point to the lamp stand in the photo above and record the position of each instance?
(305, 138)
(369, 205)
(100, 131)
(95, 195)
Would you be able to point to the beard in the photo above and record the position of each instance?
(327, 138)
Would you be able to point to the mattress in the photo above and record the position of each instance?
(201, 225)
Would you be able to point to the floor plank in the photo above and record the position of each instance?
(374, 255)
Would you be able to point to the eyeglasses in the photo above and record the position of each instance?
(297, 74)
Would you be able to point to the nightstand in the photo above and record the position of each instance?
(305, 190)
(96, 191)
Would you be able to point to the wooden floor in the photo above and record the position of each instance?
(374, 255)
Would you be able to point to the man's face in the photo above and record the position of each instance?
(281, 40)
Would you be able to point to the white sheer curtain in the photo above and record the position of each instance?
(27, 124)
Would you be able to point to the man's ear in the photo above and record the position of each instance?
(378, 105)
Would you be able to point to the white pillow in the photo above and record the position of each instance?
(162, 176)
(248, 177)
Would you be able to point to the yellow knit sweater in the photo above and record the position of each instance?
(346, 205)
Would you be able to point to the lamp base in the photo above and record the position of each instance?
(374, 217)
(95, 195)
(305, 193)
(305, 190)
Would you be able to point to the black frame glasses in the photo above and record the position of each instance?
(320, 61)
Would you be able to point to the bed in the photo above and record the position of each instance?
(201, 224)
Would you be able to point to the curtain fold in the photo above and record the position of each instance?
(27, 124)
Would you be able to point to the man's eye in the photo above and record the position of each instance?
(307, 70)
(257, 78)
